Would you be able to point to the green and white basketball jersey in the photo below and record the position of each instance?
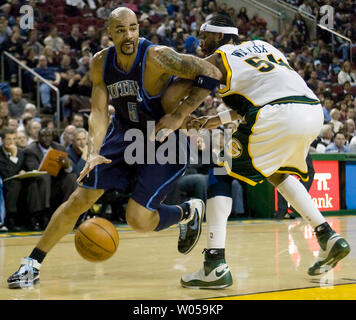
(257, 74)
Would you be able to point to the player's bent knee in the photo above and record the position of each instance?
(140, 218)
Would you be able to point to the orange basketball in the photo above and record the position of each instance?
(96, 239)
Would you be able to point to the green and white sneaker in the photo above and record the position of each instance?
(333, 248)
(214, 274)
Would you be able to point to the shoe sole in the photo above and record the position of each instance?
(207, 287)
(23, 284)
(199, 229)
(331, 262)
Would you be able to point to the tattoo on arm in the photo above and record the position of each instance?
(183, 65)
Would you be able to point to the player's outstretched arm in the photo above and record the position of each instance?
(205, 78)
(185, 66)
(99, 116)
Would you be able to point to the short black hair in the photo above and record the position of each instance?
(6, 131)
(222, 20)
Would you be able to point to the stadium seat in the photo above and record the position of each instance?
(62, 27)
(73, 20)
(61, 18)
(336, 89)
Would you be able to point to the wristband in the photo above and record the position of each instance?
(225, 117)
(205, 82)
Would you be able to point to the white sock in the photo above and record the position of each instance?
(294, 192)
(218, 210)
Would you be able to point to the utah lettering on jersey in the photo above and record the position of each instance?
(240, 53)
(124, 88)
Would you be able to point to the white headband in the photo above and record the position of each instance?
(226, 30)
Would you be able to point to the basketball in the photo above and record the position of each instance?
(96, 239)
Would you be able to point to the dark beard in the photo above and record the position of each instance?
(126, 53)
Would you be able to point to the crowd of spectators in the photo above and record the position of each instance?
(66, 35)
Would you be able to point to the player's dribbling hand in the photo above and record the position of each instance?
(91, 163)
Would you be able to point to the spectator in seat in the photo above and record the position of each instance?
(83, 68)
(339, 144)
(334, 67)
(17, 103)
(21, 139)
(11, 163)
(305, 56)
(13, 123)
(313, 82)
(322, 74)
(53, 40)
(349, 127)
(104, 11)
(52, 58)
(105, 42)
(350, 114)
(346, 74)
(158, 7)
(343, 111)
(32, 110)
(5, 31)
(335, 116)
(78, 150)
(328, 105)
(13, 45)
(93, 39)
(25, 121)
(324, 138)
(346, 89)
(305, 6)
(33, 43)
(78, 120)
(65, 65)
(33, 131)
(51, 191)
(66, 137)
(75, 38)
(51, 75)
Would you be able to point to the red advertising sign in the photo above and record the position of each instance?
(325, 188)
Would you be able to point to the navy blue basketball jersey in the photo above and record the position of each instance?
(133, 106)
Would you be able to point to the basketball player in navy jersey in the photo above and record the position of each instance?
(134, 73)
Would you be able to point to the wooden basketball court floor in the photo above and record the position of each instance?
(268, 260)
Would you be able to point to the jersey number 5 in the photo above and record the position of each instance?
(132, 110)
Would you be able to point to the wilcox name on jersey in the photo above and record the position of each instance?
(242, 52)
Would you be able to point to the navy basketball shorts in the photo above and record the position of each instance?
(149, 184)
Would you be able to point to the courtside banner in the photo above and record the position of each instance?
(325, 190)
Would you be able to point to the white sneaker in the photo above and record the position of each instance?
(27, 275)
(213, 275)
